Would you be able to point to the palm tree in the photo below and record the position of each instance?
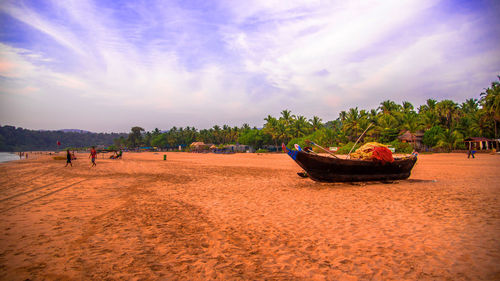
(352, 125)
(282, 132)
(448, 111)
(316, 123)
(490, 100)
(388, 106)
(342, 116)
(271, 128)
(300, 126)
(430, 105)
(387, 128)
(372, 115)
(449, 139)
(226, 131)
(287, 120)
(216, 133)
(287, 117)
(428, 119)
(407, 107)
(234, 134)
(410, 122)
(470, 106)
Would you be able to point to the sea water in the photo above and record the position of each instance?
(7, 156)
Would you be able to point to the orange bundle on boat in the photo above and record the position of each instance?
(373, 151)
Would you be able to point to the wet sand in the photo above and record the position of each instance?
(246, 217)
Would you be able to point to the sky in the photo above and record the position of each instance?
(105, 66)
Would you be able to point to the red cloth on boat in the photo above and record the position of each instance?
(382, 154)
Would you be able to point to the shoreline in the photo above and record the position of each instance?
(2, 160)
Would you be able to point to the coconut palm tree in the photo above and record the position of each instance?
(448, 112)
(407, 107)
(245, 127)
(271, 128)
(387, 128)
(470, 106)
(430, 105)
(316, 123)
(490, 99)
(428, 119)
(287, 117)
(449, 139)
(410, 122)
(388, 107)
(342, 116)
(300, 126)
(352, 123)
(217, 134)
(287, 120)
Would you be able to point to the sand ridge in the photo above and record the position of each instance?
(246, 217)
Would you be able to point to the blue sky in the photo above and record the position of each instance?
(109, 65)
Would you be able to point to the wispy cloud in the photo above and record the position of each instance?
(179, 63)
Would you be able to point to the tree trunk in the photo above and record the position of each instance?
(496, 135)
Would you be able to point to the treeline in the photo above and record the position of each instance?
(19, 139)
(445, 124)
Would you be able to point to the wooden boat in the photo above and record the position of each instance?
(329, 169)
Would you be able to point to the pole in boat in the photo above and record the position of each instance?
(308, 141)
(349, 155)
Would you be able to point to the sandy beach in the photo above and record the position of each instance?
(246, 217)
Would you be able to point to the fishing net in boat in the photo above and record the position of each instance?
(373, 151)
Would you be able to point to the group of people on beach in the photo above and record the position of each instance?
(69, 157)
(93, 155)
(21, 154)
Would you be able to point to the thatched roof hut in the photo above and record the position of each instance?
(198, 146)
(415, 139)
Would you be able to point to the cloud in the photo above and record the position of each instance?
(232, 62)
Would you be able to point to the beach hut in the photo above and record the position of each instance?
(414, 139)
(198, 146)
(480, 143)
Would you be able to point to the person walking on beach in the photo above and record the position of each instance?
(93, 155)
(68, 159)
(471, 152)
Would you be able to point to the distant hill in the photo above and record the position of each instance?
(19, 139)
(74, 131)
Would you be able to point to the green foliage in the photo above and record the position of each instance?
(262, 150)
(324, 137)
(255, 138)
(159, 140)
(135, 137)
(449, 139)
(113, 147)
(300, 141)
(490, 100)
(19, 139)
(402, 147)
(431, 136)
(347, 147)
(388, 135)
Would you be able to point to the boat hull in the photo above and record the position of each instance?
(329, 169)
